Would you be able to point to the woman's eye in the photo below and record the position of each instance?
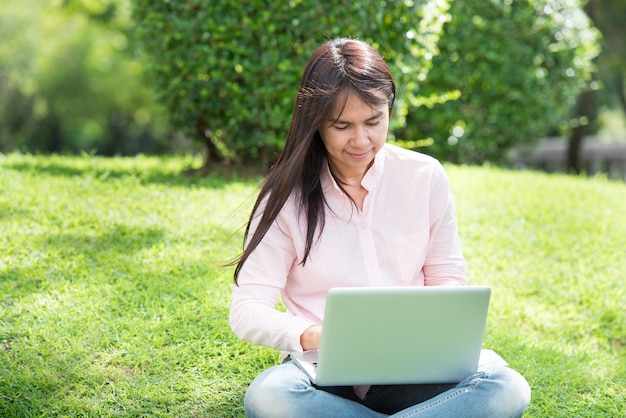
(374, 123)
(341, 127)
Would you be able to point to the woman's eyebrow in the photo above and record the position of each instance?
(375, 116)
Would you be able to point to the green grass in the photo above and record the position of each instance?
(112, 301)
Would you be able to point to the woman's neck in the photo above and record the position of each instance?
(350, 179)
(351, 186)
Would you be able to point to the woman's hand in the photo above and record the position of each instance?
(310, 338)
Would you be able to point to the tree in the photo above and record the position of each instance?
(228, 70)
(512, 70)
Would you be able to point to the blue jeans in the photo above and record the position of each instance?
(285, 391)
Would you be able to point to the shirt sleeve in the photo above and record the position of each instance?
(445, 264)
(253, 313)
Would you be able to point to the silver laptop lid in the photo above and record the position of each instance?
(396, 335)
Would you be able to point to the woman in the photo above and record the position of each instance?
(343, 208)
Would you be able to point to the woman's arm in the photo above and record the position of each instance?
(254, 318)
(253, 313)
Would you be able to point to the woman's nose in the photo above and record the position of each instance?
(360, 136)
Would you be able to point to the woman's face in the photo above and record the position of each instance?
(353, 134)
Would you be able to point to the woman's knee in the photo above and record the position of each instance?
(513, 394)
(273, 392)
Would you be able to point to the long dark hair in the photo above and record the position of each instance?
(336, 66)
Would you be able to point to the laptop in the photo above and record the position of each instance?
(398, 335)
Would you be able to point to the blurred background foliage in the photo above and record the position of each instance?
(476, 78)
(518, 66)
(69, 81)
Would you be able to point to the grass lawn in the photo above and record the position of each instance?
(112, 301)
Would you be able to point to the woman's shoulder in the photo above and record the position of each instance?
(403, 167)
(289, 207)
(402, 157)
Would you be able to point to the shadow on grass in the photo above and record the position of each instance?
(119, 239)
(69, 257)
(12, 211)
(103, 168)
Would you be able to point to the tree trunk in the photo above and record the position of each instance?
(583, 112)
(211, 155)
(621, 94)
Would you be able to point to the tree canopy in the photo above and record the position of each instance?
(517, 68)
(229, 70)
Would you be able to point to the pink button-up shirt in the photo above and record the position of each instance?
(406, 235)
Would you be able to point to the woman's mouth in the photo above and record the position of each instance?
(359, 156)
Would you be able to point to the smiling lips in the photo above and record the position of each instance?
(359, 156)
